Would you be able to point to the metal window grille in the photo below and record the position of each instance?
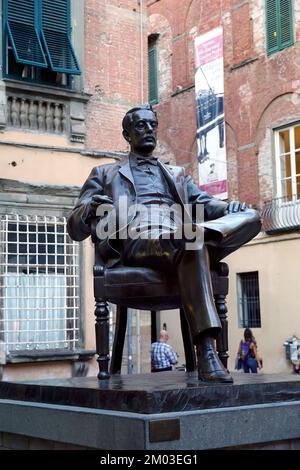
(248, 300)
(39, 284)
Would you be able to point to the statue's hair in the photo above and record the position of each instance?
(127, 120)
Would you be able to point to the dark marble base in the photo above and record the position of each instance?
(156, 393)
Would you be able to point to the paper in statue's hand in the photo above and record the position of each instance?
(229, 223)
(101, 199)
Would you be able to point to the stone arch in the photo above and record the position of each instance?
(282, 110)
(159, 25)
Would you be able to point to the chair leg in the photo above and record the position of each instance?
(155, 324)
(222, 338)
(119, 339)
(189, 349)
(102, 337)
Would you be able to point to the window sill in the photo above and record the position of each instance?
(279, 49)
(243, 63)
(36, 88)
(17, 357)
(180, 90)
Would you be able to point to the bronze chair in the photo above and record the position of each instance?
(146, 289)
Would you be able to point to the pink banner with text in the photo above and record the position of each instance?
(209, 89)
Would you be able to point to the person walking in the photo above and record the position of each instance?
(247, 353)
(162, 354)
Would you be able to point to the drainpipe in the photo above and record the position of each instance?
(138, 341)
(129, 341)
(140, 2)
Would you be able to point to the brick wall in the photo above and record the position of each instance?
(259, 90)
(112, 69)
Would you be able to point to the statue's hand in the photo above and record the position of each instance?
(101, 199)
(96, 201)
(236, 206)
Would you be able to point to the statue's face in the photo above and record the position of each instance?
(142, 133)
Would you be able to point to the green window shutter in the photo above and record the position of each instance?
(272, 26)
(152, 75)
(286, 23)
(21, 28)
(279, 25)
(56, 36)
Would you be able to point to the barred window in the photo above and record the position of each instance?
(39, 284)
(248, 300)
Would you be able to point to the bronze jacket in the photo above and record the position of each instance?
(116, 181)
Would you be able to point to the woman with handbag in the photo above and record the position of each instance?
(247, 353)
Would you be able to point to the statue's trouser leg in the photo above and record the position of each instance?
(193, 270)
(196, 292)
(152, 253)
(198, 303)
(220, 249)
(193, 267)
(197, 297)
(195, 277)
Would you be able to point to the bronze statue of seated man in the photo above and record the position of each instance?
(139, 190)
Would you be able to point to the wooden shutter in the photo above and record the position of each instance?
(272, 25)
(286, 23)
(152, 75)
(279, 24)
(56, 36)
(21, 28)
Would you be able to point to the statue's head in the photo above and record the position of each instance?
(140, 129)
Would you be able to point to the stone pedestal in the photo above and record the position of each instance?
(168, 410)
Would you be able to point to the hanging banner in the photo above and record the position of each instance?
(209, 88)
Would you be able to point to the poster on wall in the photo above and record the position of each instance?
(209, 89)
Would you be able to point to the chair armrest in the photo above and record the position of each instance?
(94, 223)
(220, 279)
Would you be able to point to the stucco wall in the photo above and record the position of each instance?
(277, 261)
(39, 163)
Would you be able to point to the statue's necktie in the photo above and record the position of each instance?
(147, 160)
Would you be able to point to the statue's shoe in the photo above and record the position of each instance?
(211, 369)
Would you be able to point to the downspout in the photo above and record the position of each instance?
(138, 341)
(129, 342)
(138, 313)
(141, 51)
